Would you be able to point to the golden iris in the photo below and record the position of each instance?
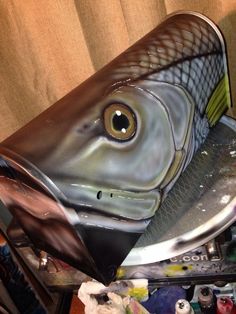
(119, 121)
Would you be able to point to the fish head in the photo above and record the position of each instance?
(114, 153)
(117, 154)
(130, 140)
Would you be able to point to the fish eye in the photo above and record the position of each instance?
(119, 121)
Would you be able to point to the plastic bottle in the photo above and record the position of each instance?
(207, 300)
(225, 306)
(183, 307)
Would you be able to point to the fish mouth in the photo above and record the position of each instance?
(18, 168)
(121, 209)
(28, 193)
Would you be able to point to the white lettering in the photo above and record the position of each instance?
(186, 258)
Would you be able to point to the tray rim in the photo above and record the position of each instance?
(189, 240)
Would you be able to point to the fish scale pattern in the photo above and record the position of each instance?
(173, 42)
(182, 51)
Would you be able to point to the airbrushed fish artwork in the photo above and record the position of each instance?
(84, 179)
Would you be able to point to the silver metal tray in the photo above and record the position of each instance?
(200, 206)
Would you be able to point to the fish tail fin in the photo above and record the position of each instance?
(219, 102)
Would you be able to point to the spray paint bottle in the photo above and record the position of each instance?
(207, 300)
(183, 307)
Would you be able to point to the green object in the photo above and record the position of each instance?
(219, 101)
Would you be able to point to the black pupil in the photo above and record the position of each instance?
(120, 122)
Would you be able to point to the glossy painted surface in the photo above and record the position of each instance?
(85, 178)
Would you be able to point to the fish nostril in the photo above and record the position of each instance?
(99, 195)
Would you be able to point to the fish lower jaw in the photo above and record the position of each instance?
(118, 203)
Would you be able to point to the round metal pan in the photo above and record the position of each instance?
(200, 206)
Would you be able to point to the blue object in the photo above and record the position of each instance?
(163, 300)
(18, 289)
